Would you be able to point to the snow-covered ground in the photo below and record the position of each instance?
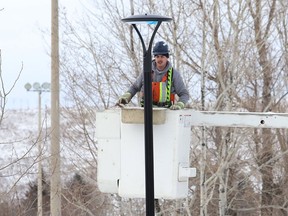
(19, 150)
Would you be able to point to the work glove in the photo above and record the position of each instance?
(125, 98)
(177, 106)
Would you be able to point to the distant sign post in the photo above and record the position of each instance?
(148, 125)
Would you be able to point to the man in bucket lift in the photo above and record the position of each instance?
(166, 82)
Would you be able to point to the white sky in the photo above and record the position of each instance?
(25, 38)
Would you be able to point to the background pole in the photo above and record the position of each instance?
(55, 193)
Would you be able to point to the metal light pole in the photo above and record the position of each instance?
(148, 114)
(45, 87)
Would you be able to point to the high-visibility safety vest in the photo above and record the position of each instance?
(161, 91)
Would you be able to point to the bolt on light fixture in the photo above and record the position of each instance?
(44, 87)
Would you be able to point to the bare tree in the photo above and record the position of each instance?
(236, 50)
(4, 92)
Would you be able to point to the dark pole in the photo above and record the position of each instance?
(148, 122)
(148, 131)
(148, 111)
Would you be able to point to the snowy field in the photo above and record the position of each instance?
(19, 150)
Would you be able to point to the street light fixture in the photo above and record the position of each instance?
(148, 115)
(36, 87)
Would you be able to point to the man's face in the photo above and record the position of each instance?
(161, 61)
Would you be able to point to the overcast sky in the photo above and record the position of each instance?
(25, 39)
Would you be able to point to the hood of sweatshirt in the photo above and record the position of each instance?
(157, 76)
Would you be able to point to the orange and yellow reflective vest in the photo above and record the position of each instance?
(161, 91)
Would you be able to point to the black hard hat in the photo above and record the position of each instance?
(161, 48)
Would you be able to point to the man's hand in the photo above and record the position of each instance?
(124, 99)
(177, 106)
